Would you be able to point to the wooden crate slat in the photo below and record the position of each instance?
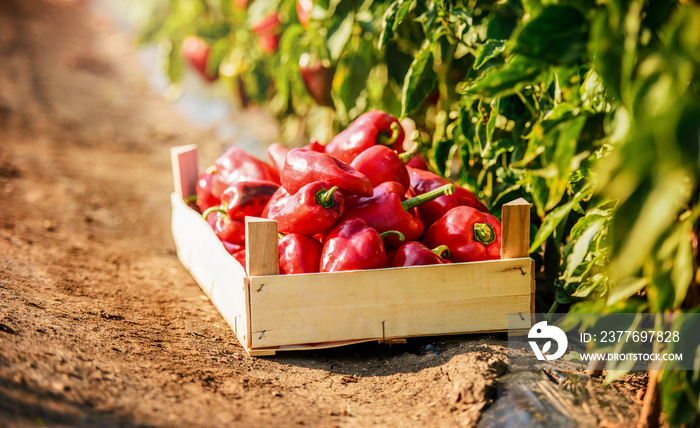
(219, 275)
(515, 229)
(413, 301)
(185, 162)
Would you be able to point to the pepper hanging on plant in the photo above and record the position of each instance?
(317, 75)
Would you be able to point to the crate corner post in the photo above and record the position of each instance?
(515, 238)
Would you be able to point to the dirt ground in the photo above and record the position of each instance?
(99, 323)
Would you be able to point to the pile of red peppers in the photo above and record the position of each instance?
(359, 202)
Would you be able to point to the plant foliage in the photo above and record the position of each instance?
(588, 109)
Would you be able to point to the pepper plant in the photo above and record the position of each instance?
(587, 108)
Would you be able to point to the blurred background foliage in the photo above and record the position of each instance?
(588, 109)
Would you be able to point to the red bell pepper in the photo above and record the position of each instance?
(232, 248)
(305, 166)
(231, 231)
(414, 253)
(299, 254)
(276, 203)
(304, 12)
(196, 52)
(353, 245)
(369, 129)
(418, 162)
(387, 187)
(423, 181)
(315, 146)
(236, 165)
(240, 257)
(276, 154)
(314, 209)
(387, 212)
(205, 199)
(269, 31)
(381, 164)
(317, 78)
(245, 198)
(470, 235)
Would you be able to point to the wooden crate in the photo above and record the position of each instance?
(270, 312)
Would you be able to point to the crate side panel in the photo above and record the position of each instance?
(403, 302)
(219, 275)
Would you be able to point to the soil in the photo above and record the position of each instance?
(100, 325)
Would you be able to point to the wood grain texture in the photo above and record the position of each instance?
(219, 275)
(515, 229)
(262, 251)
(185, 163)
(388, 303)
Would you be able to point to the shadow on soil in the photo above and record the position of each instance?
(376, 359)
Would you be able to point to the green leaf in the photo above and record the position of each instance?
(388, 24)
(657, 212)
(460, 21)
(581, 246)
(430, 19)
(217, 53)
(593, 92)
(585, 289)
(606, 50)
(350, 79)
(175, 64)
(393, 17)
(557, 35)
(510, 78)
(555, 217)
(563, 157)
(625, 289)
(493, 116)
(214, 31)
(488, 50)
(420, 80)
(338, 36)
(442, 155)
(494, 150)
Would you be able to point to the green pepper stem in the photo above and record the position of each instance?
(392, 232)
(325, 197)
(447, 189)
(442, 251)
(211, 169)
(280, 235)
(389, 139)
(484, 233)
(192, 199)
(210, 210)
(417, 146)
